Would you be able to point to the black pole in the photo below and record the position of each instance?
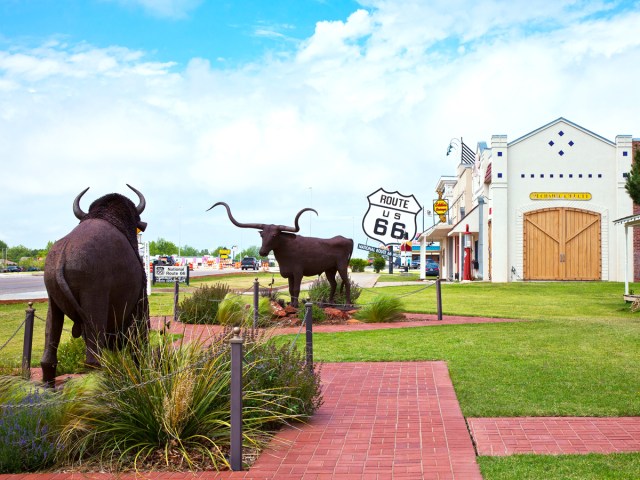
(188, 270)
(439, 298)
(28, 342)
(176, 297)
(390, 248)
(236, 401)
(308, 321)
(256, 294)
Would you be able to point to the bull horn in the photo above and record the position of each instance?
(142, 203)
(297, 227)
(259, 226)
(77, 211)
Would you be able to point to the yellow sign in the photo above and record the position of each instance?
(560, 196)
(440, 207)
(223, 251)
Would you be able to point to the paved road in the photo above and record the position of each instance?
(30, 286)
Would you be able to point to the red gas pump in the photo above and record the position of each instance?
(466, 273)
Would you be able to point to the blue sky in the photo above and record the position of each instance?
(227, 32)
(274, 106)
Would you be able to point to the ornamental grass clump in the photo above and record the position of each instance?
(320, 289)
(202, 306)
(232, 311)
(168, 408)
(29, 420)
(384, 308)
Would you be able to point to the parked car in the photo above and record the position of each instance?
(415, 263)
(250, 263)
(12, 268)
(432, 268)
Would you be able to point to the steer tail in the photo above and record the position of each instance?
(80, 315)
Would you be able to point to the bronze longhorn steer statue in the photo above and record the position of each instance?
(95, 276)
(300, 256)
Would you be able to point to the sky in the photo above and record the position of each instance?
(275, 106)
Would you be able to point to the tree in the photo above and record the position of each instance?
(632, 184)
(16, 253)
(188, 251)
(251, 251)
(162, 247)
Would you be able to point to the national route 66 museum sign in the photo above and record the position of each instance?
(391, 218)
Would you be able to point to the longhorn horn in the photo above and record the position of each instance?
(297, 227)
(259, 226)
(77, 211)
(142, 203)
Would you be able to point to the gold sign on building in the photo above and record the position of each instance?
(560, 196)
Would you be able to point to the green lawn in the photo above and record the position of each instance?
(576, 352)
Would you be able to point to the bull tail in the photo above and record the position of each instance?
(80, 314)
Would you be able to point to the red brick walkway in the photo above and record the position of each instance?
(555, 435)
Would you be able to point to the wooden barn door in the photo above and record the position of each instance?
(562, 244)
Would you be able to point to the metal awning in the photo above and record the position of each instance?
(436, 233)
(469, 224)
(629, 221)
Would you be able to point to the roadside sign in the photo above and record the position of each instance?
(223, 256)
(391, 218)
(224, 251)
(369, 248)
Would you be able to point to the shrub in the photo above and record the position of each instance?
(378, 264)
(358, 264)
(283, 369)
(71, 356)
(383, 309)
(202, 306)
(27, 427)
(320, 289)
(317, 313)
(170, 405)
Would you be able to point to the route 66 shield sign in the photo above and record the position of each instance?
(391, 217)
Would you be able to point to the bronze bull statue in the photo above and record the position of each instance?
(95, 276)
(300, 256)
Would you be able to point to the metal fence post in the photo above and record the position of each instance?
(439, 298)
(28, 341)
(176, 297)
(256, 294)
(308, 321)
(236, 400)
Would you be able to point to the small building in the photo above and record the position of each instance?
(540, 207)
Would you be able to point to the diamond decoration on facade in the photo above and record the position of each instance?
(560, 153)
(561, 133)
(571, 144)
(551, 143)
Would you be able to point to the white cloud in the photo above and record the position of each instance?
(365, 103)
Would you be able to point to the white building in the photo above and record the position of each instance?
(540, 207)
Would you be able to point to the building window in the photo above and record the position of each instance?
(571, 175)
(533, 176)
(499, 175)
(624, 154)
(562, 175)
(542, 175)
(590, 176)
(499, 154)
(599, 175)
(551, 175)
